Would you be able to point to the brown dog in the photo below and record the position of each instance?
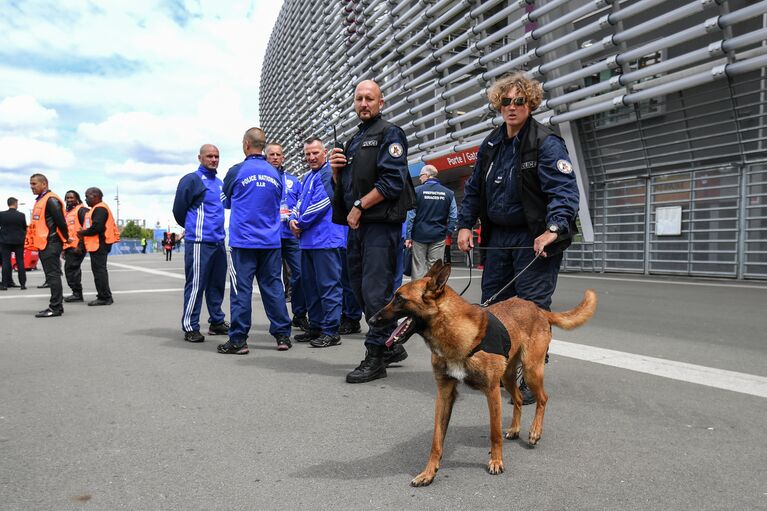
(454, 331)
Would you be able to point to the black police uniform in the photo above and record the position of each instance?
(520, 187)
(376, 158)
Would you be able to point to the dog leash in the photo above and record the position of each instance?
(489, 300)
(470, 264)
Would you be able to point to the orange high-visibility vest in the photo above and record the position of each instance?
(111, 233)
(73, 225)
(37, 232)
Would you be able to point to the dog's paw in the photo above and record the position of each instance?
(533, 438)
(495, 467)
(511, 434)
(423, 479)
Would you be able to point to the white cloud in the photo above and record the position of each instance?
(23, 112)
(22, 153)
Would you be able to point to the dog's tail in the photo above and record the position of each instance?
(577, 316)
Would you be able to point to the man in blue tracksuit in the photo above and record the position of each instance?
(430, 222)
(291, 251)
(321, 241)
(198, 208)
(253, 191)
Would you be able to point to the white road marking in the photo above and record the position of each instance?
(711, 377)
(93, 293)
(149, 270)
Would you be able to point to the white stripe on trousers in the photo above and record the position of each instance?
(186, 323)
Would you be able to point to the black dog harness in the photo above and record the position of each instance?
(496, 340)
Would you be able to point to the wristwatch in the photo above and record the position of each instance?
(553, 228)
(358, 204)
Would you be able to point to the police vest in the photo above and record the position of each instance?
(534, 201)
(364, 169)
(37, 233)
(73, 226)
(432, 212)
(111, 233)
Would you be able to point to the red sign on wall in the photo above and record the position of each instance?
(459, 159)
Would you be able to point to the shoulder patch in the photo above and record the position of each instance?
(289, 183)
(395, 150)
(564, 166)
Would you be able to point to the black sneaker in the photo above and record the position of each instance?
(394, 354)
(372, 368)
(48, 313)
(218, 328)
(74, 297)
(283, 343)
(194, 336)
(233, 349)
(301, 322)
(325, 341)
(99, 301)
(349, 327)
(307, 337)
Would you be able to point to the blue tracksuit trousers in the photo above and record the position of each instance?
(205, 267)
(537, 284)
(351, 309)
(291, 253)
(265, 264)
(321, 278)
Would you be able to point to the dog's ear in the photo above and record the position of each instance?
(435, 268)
(437, 283)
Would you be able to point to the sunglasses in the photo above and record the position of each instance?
(517, 101)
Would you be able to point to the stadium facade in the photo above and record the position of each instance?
(662, 105)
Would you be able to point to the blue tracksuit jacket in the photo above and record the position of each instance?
(198, 206)
(314, 212)
(253, 191)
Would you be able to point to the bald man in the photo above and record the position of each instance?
(372, 196)
(199, 209)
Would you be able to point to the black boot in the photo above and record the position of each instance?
(372, 368)
(394, 354)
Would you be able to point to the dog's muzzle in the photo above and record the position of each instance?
(402, 333)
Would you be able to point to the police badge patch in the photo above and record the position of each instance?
(564, 167)
(395, 150)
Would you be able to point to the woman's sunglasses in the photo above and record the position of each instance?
(517, 101)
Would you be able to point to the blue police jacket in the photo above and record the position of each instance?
(198, 206)
(503, 204)
(253, 191)
(291, 191)
(314, 213)
(435, 213)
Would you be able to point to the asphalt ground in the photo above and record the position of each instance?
(108, 408)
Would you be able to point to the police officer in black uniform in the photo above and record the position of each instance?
(524, 191)
(373, 194)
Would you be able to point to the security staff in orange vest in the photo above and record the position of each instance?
(74, 252)
(99, 235)
(46, 233)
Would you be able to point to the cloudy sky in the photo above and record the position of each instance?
(123, 93)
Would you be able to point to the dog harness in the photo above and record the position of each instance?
(496, 340)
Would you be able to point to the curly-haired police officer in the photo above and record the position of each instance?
(524, 191)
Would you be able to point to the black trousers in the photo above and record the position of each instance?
(5, 253)
(72, 272)
(51, 259)
(100, 275)
(372, 260)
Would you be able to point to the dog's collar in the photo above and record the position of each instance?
(496, 338)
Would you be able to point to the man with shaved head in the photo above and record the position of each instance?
(372, 196)
(198, 207)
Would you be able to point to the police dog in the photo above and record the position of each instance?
(454, 331)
